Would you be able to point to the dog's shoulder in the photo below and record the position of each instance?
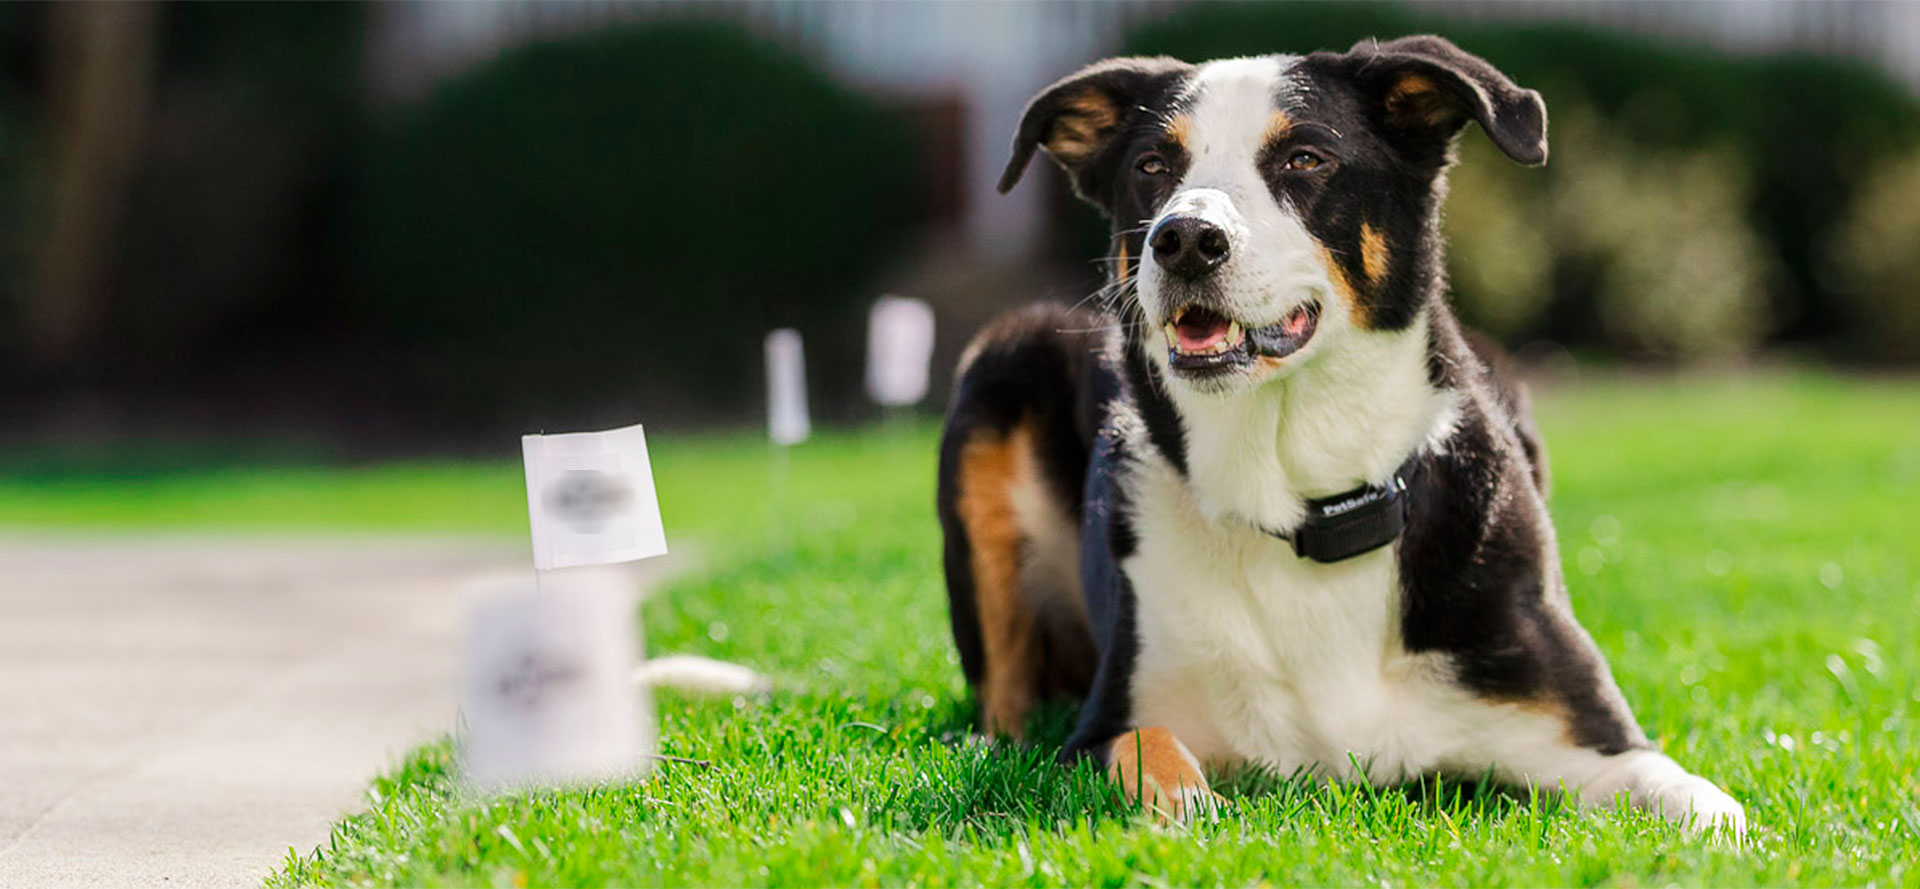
(1478, 560)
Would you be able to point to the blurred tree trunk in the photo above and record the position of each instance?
(99, 83)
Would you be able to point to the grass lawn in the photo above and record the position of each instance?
(1743, 550)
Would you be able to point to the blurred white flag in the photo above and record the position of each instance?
(899, 348)
(590, 498)
(548, 696)
(787, 422)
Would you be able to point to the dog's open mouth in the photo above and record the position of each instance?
(1201, 341)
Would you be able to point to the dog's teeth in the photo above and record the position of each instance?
(1233, 333)
(1173, 335)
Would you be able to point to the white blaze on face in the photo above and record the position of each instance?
(1273, 266)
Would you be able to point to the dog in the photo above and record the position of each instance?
(1271, 504)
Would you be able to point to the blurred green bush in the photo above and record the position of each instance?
(1690, 206)
(613, 221)
(1655, 239)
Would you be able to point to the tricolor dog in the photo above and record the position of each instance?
(1272, 505)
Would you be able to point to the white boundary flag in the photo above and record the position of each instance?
(899, 348)
(590, 499)
(787, 422)
(549, 697)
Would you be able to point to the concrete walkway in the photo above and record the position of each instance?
(183, 711)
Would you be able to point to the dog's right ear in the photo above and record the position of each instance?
(1429, 88)
(1077, 118)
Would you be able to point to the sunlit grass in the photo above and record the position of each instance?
(1744, 551)
(716, 486)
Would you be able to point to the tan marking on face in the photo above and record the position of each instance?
(1358, 308)
(1373, 253)
(1082, 126)
(1124, 271)
(1278, 126)
(1178, 129)
(990, 467)
(1153, 767)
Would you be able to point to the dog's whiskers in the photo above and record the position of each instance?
(1104, 328)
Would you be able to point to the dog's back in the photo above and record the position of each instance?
(1027, 401)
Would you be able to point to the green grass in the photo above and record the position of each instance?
(1743, 550)
(709, 485)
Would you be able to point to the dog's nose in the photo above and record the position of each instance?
(1189, 246)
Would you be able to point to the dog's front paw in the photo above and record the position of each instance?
(1156, 771)
(1699, 807)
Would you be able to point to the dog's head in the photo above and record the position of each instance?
(1266, 207)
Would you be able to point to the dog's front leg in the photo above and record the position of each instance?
(1654, 782)
(1155, 769)
(1650, 780)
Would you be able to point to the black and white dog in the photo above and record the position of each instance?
(1274, 506)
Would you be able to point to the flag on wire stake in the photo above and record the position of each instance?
(787, 422)
(549, 697)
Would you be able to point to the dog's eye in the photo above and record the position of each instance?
(1303, 161)
(1151, 165)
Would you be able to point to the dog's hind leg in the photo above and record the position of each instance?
(1012, 458)
(988, 474)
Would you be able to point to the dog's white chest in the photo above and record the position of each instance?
(1248, 653)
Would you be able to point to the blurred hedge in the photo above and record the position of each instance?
(18, 31)
(1693, 200)
(1876, 258)
(226, 253)
(611, 222)
(219, 248)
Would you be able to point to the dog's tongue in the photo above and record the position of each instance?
(1199, 329)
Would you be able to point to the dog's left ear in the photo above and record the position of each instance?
(1431, 87)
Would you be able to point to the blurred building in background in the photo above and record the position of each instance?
(403, 225)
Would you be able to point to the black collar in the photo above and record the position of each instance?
(1353, 522)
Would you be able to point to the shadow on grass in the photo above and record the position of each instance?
(988, 786)
(1482, 798)
(966, 782)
